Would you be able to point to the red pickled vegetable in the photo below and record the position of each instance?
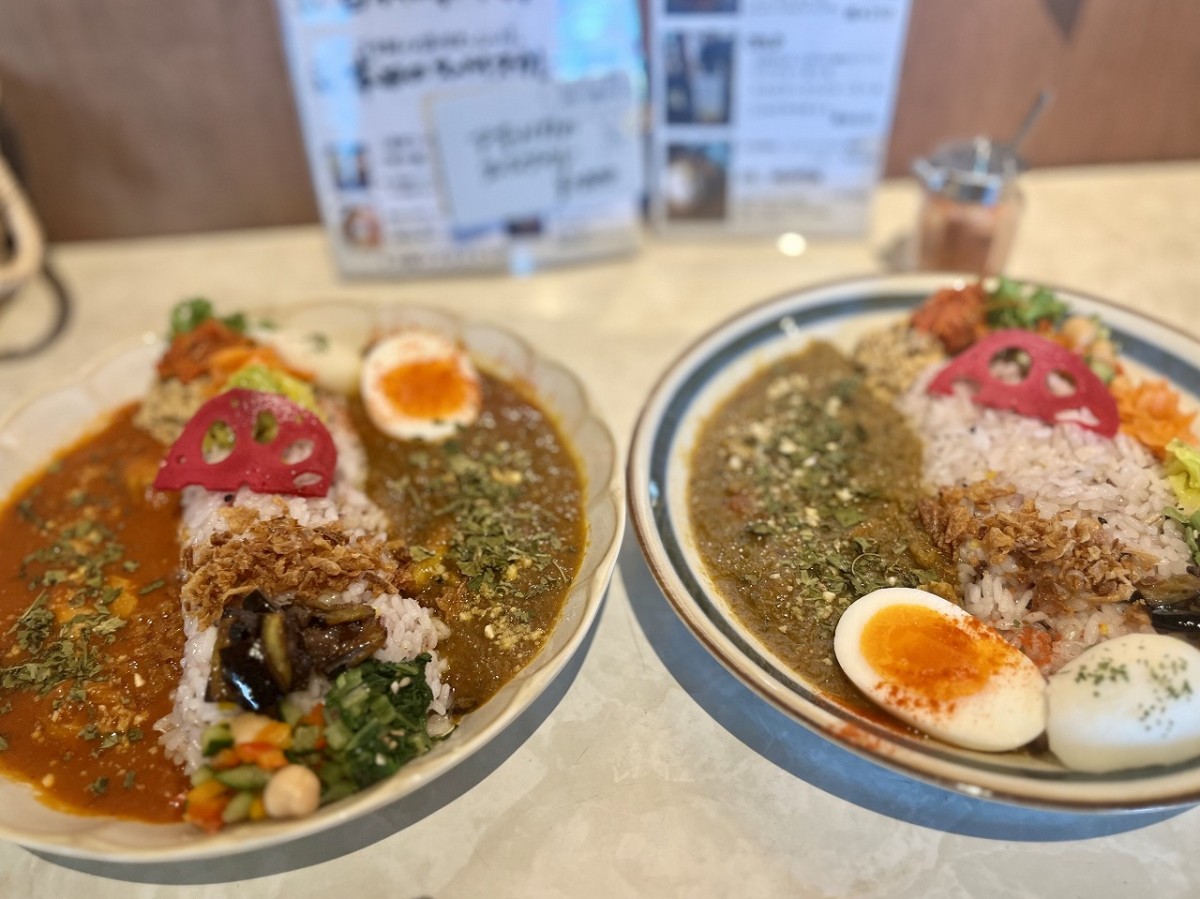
(263, 465)
(1032, 395)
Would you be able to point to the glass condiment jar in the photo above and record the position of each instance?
(970, 209)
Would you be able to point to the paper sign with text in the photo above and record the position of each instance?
(366, 74)
(520, 150)
(771, 115)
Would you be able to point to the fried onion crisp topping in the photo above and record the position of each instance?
(279, 556)
(1062, 557)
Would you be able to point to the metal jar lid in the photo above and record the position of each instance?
(973, 171)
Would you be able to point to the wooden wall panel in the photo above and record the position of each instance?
(143, 117)
(1125, 76)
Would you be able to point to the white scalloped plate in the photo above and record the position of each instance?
(659, 459)
(37, 428)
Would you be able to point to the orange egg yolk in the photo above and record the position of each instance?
(925, 659)
(429, 388)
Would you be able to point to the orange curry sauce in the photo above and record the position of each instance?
(91, 632)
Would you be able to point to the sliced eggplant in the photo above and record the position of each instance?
(334, 649)
(267, 648)
(347, 612)
(278, 657)
(247, 677)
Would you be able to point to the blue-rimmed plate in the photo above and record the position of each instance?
(659, 461)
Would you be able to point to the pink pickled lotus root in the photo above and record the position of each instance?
(1032, 396)
(260, 466)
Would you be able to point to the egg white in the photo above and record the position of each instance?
(1007, 712)
(1129, 702)
(406, 348)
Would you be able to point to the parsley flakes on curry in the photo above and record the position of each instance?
(280, 576)
(980, 526)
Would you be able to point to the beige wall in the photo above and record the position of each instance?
(144, 117)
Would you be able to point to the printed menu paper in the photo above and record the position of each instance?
(771, 115)
(516, 150)
(449, 135)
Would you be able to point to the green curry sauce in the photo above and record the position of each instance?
(802, 495)
(494, 525)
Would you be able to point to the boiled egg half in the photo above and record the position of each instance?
(418, 385)
(1129, 702)
(939, 669)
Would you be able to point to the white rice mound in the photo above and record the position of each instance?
(411, 628)
(1062, 468)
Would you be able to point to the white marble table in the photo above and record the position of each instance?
(647, 770)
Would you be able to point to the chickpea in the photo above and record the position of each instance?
(1079, 330)
(1103, 351)
(247, 726)
(292, 792)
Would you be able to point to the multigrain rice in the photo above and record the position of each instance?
(1063, 468)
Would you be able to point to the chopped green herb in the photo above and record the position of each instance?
(376, 722)
(26, 511)
(130, 777)
(496, 534)
(54, 577)
(75, 564)
(190, 314)
(3, 743)
(152, 586)
(99, 786)
(33, 627)
(1102, 671)
(1015, 305)
(848, 516)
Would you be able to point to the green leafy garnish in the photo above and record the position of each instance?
(190, 314)
(1015, 305)
(375, 716)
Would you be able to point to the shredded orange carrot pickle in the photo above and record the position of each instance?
(1151, 414)
(224, 363)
